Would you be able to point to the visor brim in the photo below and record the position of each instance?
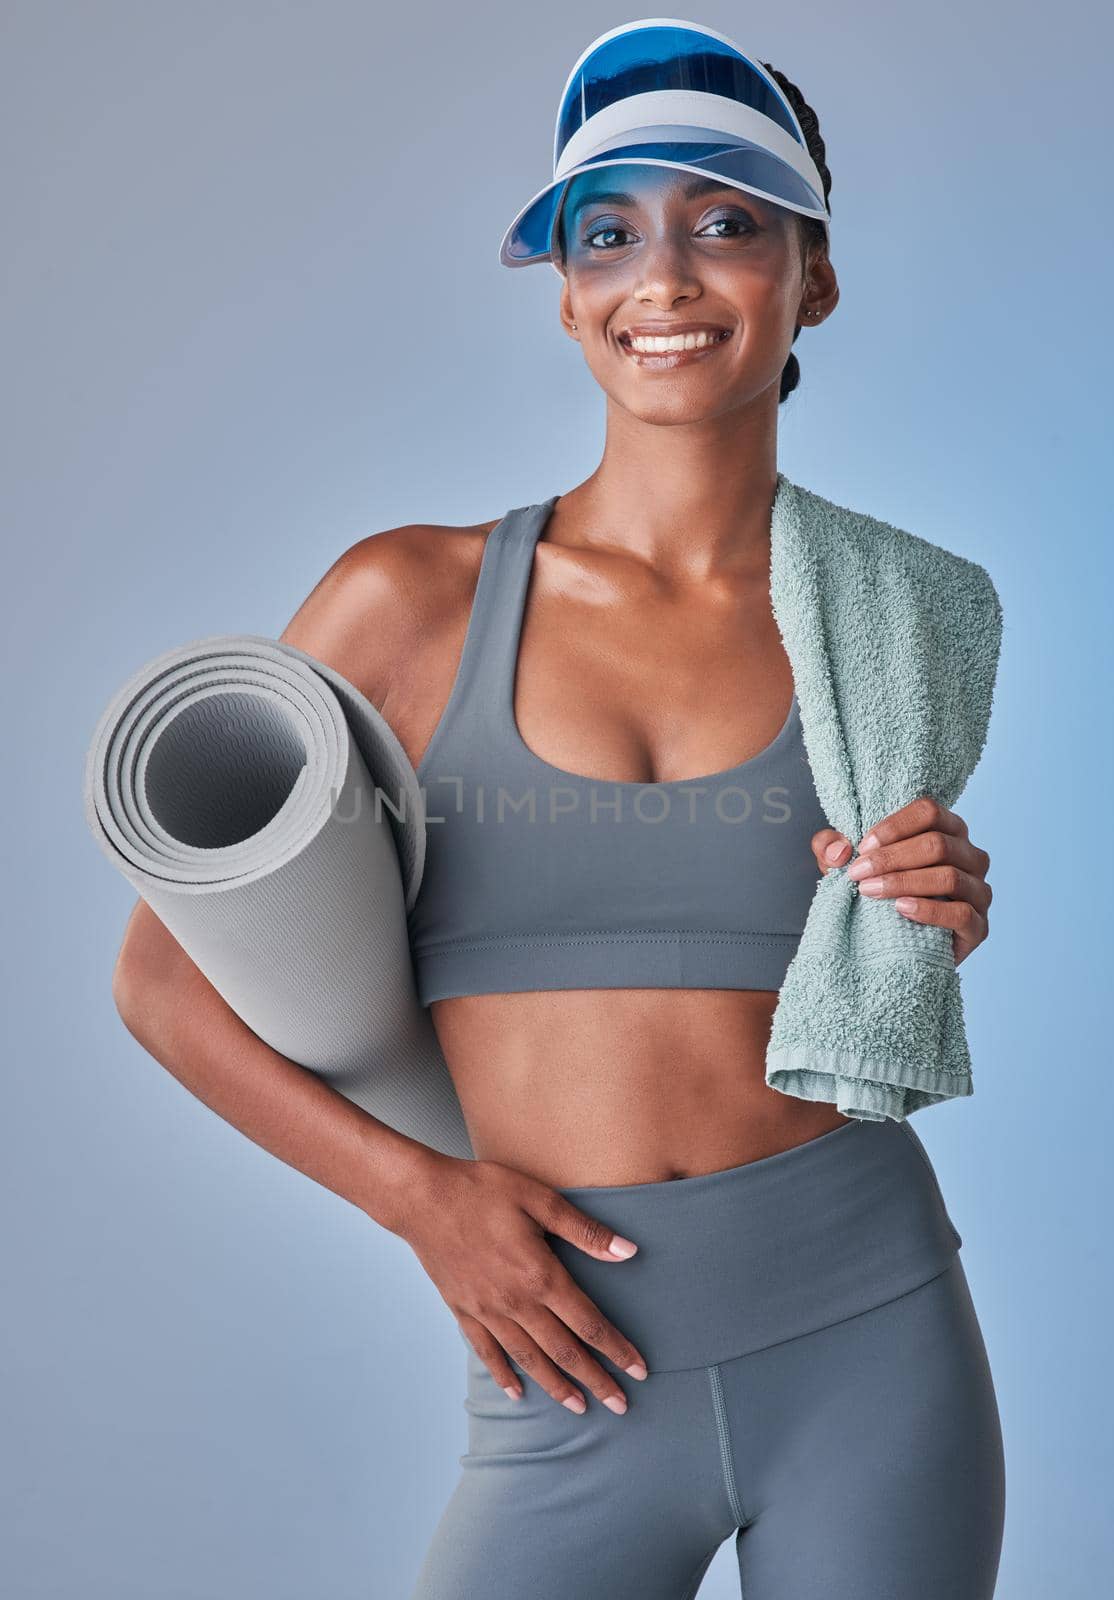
(529, 239)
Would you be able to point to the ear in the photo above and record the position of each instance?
(821, 287)
(567, 315)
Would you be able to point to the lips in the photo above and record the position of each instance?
(717, 335)
(670, 360)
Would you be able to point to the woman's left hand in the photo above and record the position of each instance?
(912, 855)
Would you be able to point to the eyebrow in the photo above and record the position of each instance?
(615, 197)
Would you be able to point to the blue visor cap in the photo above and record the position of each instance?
(667, 93)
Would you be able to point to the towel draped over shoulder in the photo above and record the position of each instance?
(894, 645)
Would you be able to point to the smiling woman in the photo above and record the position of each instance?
(756, 249)
(745, 275)
(636, 709)
(604, 991)
(688, 219)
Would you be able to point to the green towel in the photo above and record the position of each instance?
(894, 646)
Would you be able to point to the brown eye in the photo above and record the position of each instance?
(601, 231)
(738, 220)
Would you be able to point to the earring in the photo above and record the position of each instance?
(574, 324)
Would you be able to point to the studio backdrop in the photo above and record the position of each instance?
(253, 313)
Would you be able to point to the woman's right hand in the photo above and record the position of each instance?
(477, 1228)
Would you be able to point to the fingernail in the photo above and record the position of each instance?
(860, 868)
(870, 886)
(575, 1403)
(904, 903)
(834, 851)
(515, 1394)
(621, 1247)
(614, 1403)
(869, 843)
(637, 1370)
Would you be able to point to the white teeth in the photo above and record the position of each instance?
(653, 344)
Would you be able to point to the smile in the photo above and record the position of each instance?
(675, 350)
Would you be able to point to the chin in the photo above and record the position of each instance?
(673, 405)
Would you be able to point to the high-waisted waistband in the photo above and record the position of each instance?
(730, 1262)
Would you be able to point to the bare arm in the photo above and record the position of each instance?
(172, 1009)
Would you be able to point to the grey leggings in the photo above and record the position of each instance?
(818, 1388)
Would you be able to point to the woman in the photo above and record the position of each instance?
(780, 1282)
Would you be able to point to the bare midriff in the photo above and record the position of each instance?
(616, 1086)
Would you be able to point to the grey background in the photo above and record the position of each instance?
(251, 313)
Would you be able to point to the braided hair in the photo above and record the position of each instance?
(812, 230)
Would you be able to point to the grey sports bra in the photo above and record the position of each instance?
(537, 878)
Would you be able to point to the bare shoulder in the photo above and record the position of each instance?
(388, 599)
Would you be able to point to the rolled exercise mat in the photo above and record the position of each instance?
(269, 816)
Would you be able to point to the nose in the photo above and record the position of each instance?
(666, 273)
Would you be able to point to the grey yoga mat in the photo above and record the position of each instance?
(269, 816)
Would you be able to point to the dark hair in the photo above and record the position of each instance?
(811, 230)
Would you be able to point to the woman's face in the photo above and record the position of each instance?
(655, 248)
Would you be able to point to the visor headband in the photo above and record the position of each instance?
(719, 116)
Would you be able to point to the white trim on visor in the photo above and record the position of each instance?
(668, 22)
(717, 113)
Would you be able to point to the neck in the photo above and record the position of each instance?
(692, 499)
